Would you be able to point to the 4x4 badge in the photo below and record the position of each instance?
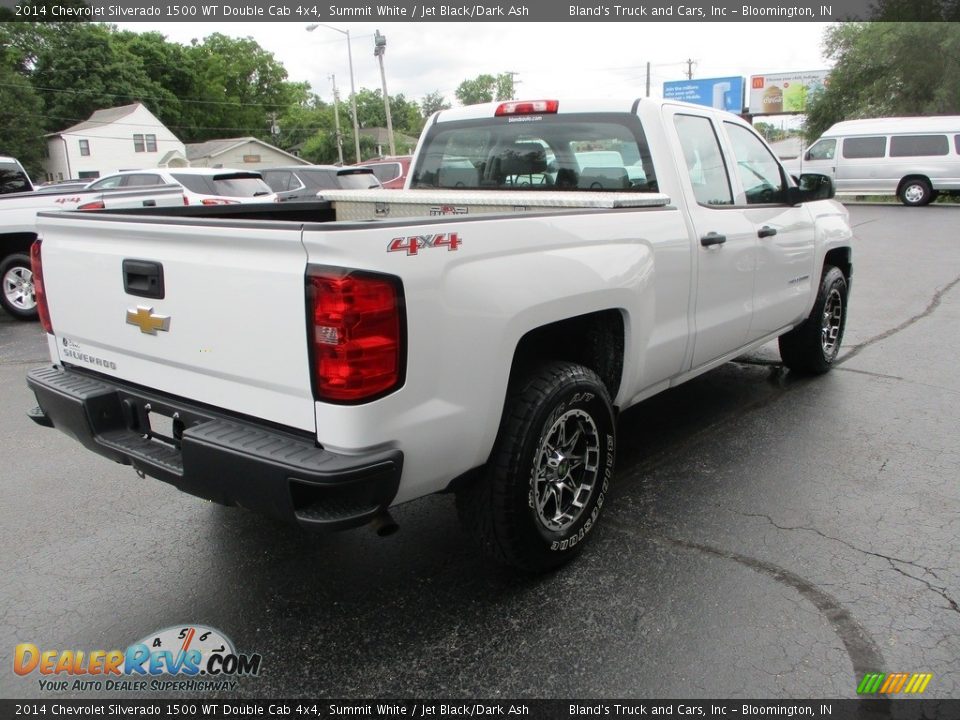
(148, 323)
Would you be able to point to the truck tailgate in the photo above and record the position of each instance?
(228, 331)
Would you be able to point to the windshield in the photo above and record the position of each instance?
(234, 185)
(545, 152)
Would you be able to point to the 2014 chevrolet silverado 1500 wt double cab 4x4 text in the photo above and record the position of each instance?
(549, 264)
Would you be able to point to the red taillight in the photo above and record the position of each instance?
(92, 205)
(36, 266)
(186, 200)
(527, 107)
(219, 201)
(356, 332)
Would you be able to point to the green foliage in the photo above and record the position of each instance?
(433, 102)
(217, 87)
(485, 88)
(20, 110)
(887, 69)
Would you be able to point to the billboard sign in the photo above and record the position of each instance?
(784, 92)
(724, 93)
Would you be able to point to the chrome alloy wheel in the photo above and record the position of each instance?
(18, 288)
(832, 323)
(914, 193)
(565, 472)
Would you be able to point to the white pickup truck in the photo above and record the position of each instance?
(476, 333)
(18, 230)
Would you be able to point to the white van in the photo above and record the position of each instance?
(914, 158)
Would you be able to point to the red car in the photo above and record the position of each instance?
(390, 170)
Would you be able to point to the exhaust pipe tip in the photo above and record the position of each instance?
(384, 525)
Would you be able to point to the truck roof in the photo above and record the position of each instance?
(565, 106)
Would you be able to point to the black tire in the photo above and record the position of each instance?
(558, 422)
(16, 287)
(812, 347)
(915, 192)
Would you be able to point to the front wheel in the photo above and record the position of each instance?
(813, 346)
(548, 476)
(916, 192)
(16, 287)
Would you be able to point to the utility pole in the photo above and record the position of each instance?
(648, 78)
(690, 64)
(379, 50)
(336, 118)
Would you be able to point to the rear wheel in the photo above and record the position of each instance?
(813, 346)
(545, 485)
(16, 287)
(915, 192)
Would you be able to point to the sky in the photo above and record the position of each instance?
(570, 59)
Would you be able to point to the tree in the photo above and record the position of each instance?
(86, 67)
(21, 114)
(485, 88)
(876, 73)
(431, 103)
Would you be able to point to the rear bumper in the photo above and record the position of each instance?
(215, 456)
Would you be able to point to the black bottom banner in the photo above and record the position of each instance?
(537, 709)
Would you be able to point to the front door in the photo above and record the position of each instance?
(727, 242)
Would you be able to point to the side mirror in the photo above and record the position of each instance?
(810, 187)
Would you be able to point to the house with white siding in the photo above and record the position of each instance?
(121, 138)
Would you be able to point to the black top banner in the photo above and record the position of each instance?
(483, 11)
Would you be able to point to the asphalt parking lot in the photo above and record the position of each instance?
(766, 537)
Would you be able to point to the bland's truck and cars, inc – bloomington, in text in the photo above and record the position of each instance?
(550, 264)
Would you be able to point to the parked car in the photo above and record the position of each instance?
(303, 182)
(13, 178)
(391, 171)
(201, 186)
(914, 158)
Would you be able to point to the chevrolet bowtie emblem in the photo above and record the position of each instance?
(148, 323)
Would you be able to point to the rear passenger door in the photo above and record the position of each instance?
(726, 239)
(785, 242)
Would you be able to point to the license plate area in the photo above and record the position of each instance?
(164, 427)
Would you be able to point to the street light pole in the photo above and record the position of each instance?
(379, 50)
(353, 91)
(336, 118)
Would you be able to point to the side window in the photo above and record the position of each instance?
(956, 144)
(918, 145)
(864, 147)
(822, 150)
(278, 180)
(704, 160)
(107, 183)
(757, 168)
(386, 172)
(143, 180)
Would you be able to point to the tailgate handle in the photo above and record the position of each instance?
(143, 278)
(149, 203)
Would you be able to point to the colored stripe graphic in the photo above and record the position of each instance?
(894, 683)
